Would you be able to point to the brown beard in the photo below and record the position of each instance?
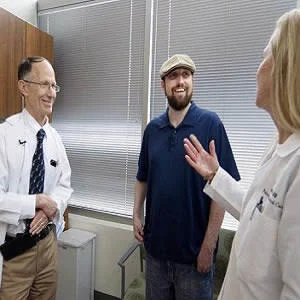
(176, 105)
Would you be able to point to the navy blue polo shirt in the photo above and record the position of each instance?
(177, 209)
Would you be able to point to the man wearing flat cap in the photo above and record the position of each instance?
(182, 223)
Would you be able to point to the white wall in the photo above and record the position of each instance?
(112, 240)
(24, 9)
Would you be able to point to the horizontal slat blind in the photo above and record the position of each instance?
(99, 59)
(226, 40)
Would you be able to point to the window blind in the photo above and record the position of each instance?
(99, 49)
(99, 63)
(226, 40)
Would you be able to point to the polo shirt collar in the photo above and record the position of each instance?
(187, 121)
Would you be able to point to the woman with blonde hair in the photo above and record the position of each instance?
(265, 258)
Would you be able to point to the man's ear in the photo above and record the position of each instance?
(22, 87)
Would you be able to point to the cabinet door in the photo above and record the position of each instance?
(38, 43)
(12, 50)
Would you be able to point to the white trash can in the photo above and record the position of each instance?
(76, 265)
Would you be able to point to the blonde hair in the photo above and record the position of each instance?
(285, 45)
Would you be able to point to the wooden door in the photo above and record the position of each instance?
(12, 46)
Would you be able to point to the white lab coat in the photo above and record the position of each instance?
(265, 257)
(17, 144)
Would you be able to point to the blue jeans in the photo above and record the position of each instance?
(166, 280)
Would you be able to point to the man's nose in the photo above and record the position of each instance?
(51, 92)
(180, 80)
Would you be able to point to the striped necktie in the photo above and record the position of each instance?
(37, 174)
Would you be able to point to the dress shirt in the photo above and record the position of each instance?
(17, 145)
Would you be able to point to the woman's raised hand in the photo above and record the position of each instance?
(206, 164)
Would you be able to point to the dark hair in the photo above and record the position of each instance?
(25, 66)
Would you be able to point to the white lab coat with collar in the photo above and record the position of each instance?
(15, 166)
(265, 257)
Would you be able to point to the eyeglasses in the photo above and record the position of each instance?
(45, 85)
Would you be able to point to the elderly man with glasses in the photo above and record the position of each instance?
(34, 188)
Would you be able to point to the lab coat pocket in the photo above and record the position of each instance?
(272, 211)
(257, 246)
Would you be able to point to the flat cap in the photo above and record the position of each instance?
(177, 61)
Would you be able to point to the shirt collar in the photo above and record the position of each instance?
(33, 125)
(187, 121)
(289, 146)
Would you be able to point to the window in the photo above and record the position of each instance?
(100, 48)
(226, 40)
(99, 59)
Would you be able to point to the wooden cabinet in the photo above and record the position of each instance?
(38, 43)
(18, 39)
